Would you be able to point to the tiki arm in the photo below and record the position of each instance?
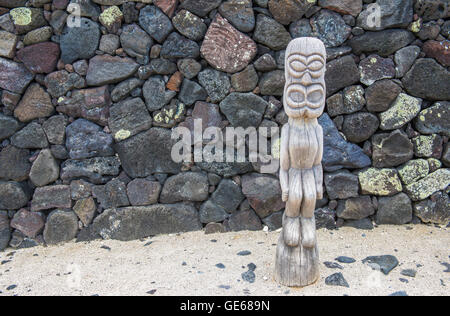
(284, 162)
(318, 171)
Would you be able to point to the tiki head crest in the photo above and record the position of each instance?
(305, 90)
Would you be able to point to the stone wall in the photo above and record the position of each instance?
(87, 109)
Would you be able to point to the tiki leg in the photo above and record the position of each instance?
(291, 220)
(308, 206)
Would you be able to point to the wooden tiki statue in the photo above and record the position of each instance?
(301, 175)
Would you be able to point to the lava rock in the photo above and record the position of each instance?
(200, 7)
(287, 11)
(405, 58)
(384, 264)
(61, 226)
(239, 13)
(28, 223)
(382, 182)
(434, 210)
(272, 83)
(270, 33)
(404, 109)
(338, 153)
(36, 103)
(263, 193)
(143, 192)
(375, 68)
(60, 82)
(40, 58)
(244, 220)
(414, 170)
(5, 231)
(154, 93)
(85, 210)
(31, 136)
(432, 183)
(13, 195)
(427, 79)
(243, 109)
(381, 95)
(15, 77)
(55, 129)
(27, 19)
(246, 80)
(356, 208)
(14, 163)
(177, 46)
(129, 118)
(86, 140)
(45, 169)
(111, 195)
(136, 43)
(97, 170)
(434, 119)
(352, 7)
(190, 186)
(133, 223)
(383, 43)
(55, 196)
(341, 73)
(359, 127)
(155, 23)
(105, 69)
(391, 150)
(341, 185)
(227, 49)
(336, 279)
(394, 210)
(8, 126)
(192, 92)
(392, 13)
(79, 42)
(330, 28)
(216, 83)
(189, 25)
(8, 42)
(147, 153)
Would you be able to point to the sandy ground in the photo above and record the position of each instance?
(186, 265)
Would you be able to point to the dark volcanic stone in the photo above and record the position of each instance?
(5, 231)
(434, 210)
(359, 127)
(325, 218)
(344, 259)
(381, 95)
(97, 170)
(111, 195)
(61, 226)
(189, 25)
(243, 109)
(432, 9)
(287, 11)
(356, 208)
(86, 140)
(393, 13)
(216, 83)
(155, 93)
(79, 42)
(434, 119)
(244, 220)
(36, 103)
(272, 83)
(143, 192)
(263, 193)
(330, 28)
(13, 76)
(338, 153)
(391, 150)
(128, 118)
(383, 43)
(190, 186)
(384, 264)
(394, 210)
(375, 68)
(13, 195)
(8, 126)
(227, 49)
(136, 43)
(336, 279)
(429, 80)
(192, 92)
(341, 185)
(28, 223)
(147, 153)
(105, 69)
(14, 163)
(177, 46)
(31, 136)
(271, 33)
(155, 23)
(133, 223)
(341, 73)
(200, 7)
(55, 196)
(239, 13)
(40, 58)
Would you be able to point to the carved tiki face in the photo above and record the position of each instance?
(305, 90)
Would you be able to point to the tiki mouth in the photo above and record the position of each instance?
(298, 96)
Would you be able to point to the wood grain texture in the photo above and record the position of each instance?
(301, 174)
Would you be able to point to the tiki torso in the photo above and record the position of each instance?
(303, 144)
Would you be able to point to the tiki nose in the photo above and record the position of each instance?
(306, 79)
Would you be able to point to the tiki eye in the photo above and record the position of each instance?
(315, 96)
(297, 97)
(298, 66)
(315, 65)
